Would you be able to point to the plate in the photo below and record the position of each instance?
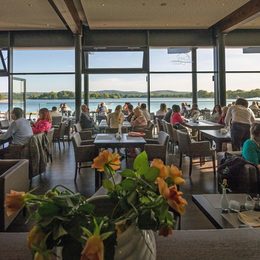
(250, 218)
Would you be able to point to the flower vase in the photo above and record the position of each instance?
(224, 200)
(133, 243)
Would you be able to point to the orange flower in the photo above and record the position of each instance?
(106, 158)
(164, 171)
(176, 201)
(43, 256)
(165, 231)
(13, 202)
(94, 249)
(163, 187)
(35, 237)
(176, 175)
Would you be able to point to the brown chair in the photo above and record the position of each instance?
(56, 120)
(194, 149)
(59, 134)
(85, 134)
(164, 126)
(157, 148)
(83, 154)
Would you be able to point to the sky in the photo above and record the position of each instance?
(28, 61)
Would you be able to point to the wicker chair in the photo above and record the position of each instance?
(85, 134)
(157, 148)
(164, 125)
(194, 149)
(59, 134)
(83, 154)
(50, 134)
(56, 120)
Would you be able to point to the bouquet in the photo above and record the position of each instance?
(67, 220)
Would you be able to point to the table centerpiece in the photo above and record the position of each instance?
(68, 221)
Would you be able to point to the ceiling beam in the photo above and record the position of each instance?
(68, 14)
(245, 13)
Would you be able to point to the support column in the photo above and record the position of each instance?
(194, 75)
(10, 75)
(148, 78)
(78, 68)
(86, 83)
(220, 70)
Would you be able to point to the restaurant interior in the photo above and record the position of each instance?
(92, 33)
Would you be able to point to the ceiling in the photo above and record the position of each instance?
(118, 14)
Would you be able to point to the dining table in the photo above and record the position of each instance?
(202, 125)
(103, 125)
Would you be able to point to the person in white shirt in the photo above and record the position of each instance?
(20, 129)
(240, 118)
(162, 111)
(54, 112)
(115, 118)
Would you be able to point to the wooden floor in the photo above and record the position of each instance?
(61, 171)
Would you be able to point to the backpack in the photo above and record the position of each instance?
(242, 176)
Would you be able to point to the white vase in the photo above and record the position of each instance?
(224, 200)
(133, 243)
(136, 244)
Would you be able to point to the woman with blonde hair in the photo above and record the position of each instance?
(138, 119)
(43, 124)
(115, 118)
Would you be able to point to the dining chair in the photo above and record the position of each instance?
(164, 126)
(85, 134)
(4, 124)
(194, 149)
(157, 148)
(49, 135)
(59, 134)
(83, 154)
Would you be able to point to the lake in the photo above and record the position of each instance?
(33, 105)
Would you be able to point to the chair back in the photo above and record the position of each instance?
(164, 126)
(163, 138)
(172, 132)
(56, 120)
(4, 124)
(77, 127)
(184, 141)
(76, 140)
(149, 130)
(159, 124)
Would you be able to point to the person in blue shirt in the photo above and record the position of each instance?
(251, 147)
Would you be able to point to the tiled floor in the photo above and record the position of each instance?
(61, 171)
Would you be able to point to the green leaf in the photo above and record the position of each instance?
(59, 232)
(132, 197)
(48, 209)
(86, 208)
(151, 174)
(106, 235)
(128, 184)
(128, 173)
(141, 161)
(107, 184)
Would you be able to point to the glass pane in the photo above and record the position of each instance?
(205, 87)
(44, 60)
(112, 59)
(3, 97)
(205, 60)
(5, 60)
(117, 89)
(170, 59)
(48, 91)
(236, 60)
(170, 89)
(18, 92)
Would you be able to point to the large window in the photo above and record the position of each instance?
(116, 89)
(3, 96)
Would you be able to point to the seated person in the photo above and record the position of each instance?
(167, 117)
(145, 112)
(223, 115)
(162, 111)
(194, 112)
(216, 114)
(115, 118)
(138, 120)
(176, 117)
(130, 112)
(54, 112)
(85, 120)
(102, 111)
(251, 147)
(43, 123)
(184, 110)
(20, 129)
(125, 108)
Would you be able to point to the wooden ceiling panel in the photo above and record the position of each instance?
(154, 14)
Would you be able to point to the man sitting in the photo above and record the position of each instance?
(85, 120)
(19, 130)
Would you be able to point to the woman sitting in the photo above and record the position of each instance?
(251, 147)
(176, 117)
(194, 112)
(216, 114)
(43, 124)
(138, 120)
(116, 118)
(162, 111)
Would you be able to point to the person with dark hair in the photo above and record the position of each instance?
(194, 112)
(251, 147)
(130, 112)
(240, 117)
(176, 115)
(20, 129)
(54, 112)
(145, 112)
(43, 123)
(216, 114)
(167, 117)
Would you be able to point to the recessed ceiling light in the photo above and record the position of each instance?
(102, 4)
(143, 4)
(163, 4)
